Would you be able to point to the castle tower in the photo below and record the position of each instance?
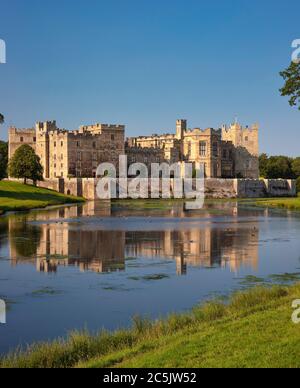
(246, 143)
(42, 144)
(181, 127)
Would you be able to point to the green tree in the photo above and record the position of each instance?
(3, 154)
(291, 87)
(279, 167)
(25, 164)
(263, 163)
(298, 185)
(296, 167)
(3, 159)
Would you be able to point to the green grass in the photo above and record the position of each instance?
(18, 197)
(283, 203)
(166, 204)
(254, 329)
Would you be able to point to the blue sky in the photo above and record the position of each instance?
(146, 63)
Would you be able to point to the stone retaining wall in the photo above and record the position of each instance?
(214, 188)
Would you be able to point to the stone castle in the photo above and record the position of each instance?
(71, 153)
(229, 152)
(225, 153)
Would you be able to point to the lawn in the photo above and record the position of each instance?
(16, 197)
(283, 203)
(254, 329)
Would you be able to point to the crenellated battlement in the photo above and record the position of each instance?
(20, 131)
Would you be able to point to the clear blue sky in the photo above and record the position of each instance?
(146, 63)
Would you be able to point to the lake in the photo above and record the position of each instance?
(97, 265)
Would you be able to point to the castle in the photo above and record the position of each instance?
(229, 152)
(71, 153)
(225, 153)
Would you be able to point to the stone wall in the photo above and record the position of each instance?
(220, 188)
(214, 188)
(281, 187)
(257, 188)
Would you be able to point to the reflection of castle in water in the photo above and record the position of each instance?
(64, 242)
(207, 248)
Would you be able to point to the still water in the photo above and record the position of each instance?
(97, 265)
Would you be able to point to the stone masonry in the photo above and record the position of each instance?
(225, 153)
(71, 153)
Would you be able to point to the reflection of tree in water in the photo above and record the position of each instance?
(3, 227)
(3, 230)
(25, 238)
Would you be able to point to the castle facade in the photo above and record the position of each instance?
(229, 152)
(71, 153)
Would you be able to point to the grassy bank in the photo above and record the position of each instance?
(16, 197)
(253, 330)
(282, 203)
(166, 204)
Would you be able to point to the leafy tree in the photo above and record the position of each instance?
(1, 118)
(276, 167)
(298, 185)
(296, 167)
(263, 163)
(279, 167)
(25, 164)
(3, 159)
(291, 88)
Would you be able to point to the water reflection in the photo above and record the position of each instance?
(58, 254)
(61, 238)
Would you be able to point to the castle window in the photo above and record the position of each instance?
(94, 156)
(189, 149)
(112, 137)
(34, 139)
(62, 144)
(246, 138)
(21, 139)
(215, 170)
(62, 156)
(215, 149)
(79, 156)
(224, 154)
(55, 144)
(94, 144)
(54, 156)
(202, 149)
(78, 144)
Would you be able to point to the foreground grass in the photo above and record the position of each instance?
(283, 203)
(253, 330)
(16, 196)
